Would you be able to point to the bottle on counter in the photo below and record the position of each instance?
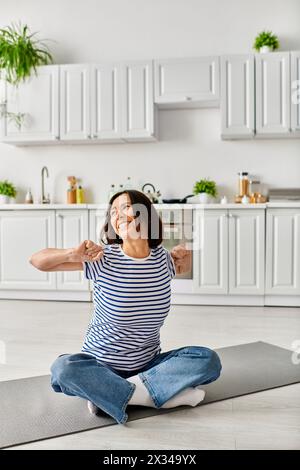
(28, 197)
(71, 192)
(79, 195)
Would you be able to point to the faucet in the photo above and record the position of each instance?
(45, 200)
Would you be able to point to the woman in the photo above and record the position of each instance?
(121, 361)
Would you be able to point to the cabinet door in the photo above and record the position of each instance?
(246, 251)
(273, 93)
(295, 92)
(187, 82)
(23, 233)
(210, 252)
(138, 108)
(283, 252)
(71, 229)
(97, 218)
(37, 99)
(106, 102)
(75, 102)
(237, 96)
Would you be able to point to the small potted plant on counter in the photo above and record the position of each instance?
(7, 192)
(266, 41)
(206, 190)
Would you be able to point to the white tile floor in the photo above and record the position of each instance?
(35, 332)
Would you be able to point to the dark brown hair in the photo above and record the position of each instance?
(147, 216)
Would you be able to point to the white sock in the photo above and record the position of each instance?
(189, 396)
(140, 395)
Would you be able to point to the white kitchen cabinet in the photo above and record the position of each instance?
(273, 101)
(246, 251)
(237, 96)
(72, 228)
(295, 92)
(23, 233)
(229, 252)
(188, 82)
(210, 252)
(36, 98)
(138, 113)
(283, 252)
(106, 102)
(96, 222)
(75, 116)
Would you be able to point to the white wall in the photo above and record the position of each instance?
(189, 145)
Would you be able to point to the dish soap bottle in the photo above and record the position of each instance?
(79, 195)
(28, 197)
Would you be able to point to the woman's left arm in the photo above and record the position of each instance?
(182, 259)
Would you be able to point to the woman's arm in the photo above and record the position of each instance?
(69, 259)
(182, 259)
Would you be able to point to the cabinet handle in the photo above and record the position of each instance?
(230, 215)
(59, 215)
(89, 136)
(95, 136)
(57, 137)
(188, 98)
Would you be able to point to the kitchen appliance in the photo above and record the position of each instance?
(178, 201)
(153, 195)
(284, 194)
(178, 229)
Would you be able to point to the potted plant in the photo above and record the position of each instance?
(266, 41)
(20, 55)
(7, 192)
(205, 189)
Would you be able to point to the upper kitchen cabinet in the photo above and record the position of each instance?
(237, 96)
(273, 94)
(139, 116)
(75, 118)
(38, 100)
(295, 92)
(106, 117)
(184, 83)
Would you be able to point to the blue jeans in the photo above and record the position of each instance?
(164, 376)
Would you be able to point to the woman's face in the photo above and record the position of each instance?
(122, 218)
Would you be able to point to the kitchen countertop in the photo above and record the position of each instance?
(158, 206)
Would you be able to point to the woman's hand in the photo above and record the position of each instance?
(87, 251)
(182, 259)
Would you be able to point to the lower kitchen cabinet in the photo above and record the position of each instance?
(71, 229)
(23, 233)
(97, 218)
(246, 260)
(229, 252)
(210, 252)
(245, 256)
(283, 252)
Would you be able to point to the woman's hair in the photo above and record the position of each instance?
(144, 211)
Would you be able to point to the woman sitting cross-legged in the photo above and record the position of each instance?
(121, 362)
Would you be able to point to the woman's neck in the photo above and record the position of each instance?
(136, 248)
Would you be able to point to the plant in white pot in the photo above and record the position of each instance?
(20, 55)
(266, 41)
(7, 192)
(206, 190)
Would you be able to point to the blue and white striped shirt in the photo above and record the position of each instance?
(131, 301)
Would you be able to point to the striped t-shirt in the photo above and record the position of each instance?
(131, 301)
